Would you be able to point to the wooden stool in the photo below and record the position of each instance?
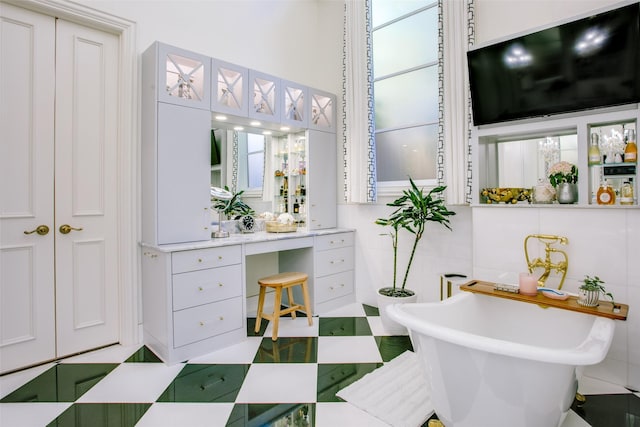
(279, 282)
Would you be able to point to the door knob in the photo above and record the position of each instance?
(66, 229)
(41, 230)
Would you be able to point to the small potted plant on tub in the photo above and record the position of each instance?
(590, 290)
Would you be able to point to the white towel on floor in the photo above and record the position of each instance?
(395, 393)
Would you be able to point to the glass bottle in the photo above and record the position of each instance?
(631, 149)
(594, 150)
(626, 193)
(606, 195)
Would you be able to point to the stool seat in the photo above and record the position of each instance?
(278, 282)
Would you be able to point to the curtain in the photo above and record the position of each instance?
(458, 24)
(357, 97)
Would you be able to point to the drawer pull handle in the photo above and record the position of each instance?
(201, 323)
(220, 257)
(221, 317)
(199, 259)
(150, 255)
(220, 284)
(335, 262)
(200, 288)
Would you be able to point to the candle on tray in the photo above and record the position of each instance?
(528, 284)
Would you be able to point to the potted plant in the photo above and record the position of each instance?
(590, 290)
(564, 178)
(414, 209)
(237, 210)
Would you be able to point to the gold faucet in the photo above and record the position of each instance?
(560, 267)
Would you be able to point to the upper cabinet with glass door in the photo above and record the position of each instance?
(265, 104)
(184, 77)
(322, 110)
(294, 108)
(230, 88)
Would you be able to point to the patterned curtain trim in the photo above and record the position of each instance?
(471, 40)
(440, 167)
(234, 171)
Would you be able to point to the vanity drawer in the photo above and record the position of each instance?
(333, 241)
(333, 286)
(334, 261)
(205, 321)
(205, 286)
(200, 259)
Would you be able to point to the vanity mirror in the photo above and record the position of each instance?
(240, 160)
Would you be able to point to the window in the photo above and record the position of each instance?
(406, 94)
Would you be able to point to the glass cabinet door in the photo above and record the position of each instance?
(229, 85)
(322, 114)
(294, 107)
(184, 77)
(265, 95)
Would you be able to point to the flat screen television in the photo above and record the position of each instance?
(589, 63)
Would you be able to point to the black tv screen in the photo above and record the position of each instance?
(589, 63)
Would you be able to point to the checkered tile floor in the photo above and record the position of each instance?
(291, 382)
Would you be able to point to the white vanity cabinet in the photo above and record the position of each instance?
(193, 301)
(321, 180)
(175, 158)
(333, 282)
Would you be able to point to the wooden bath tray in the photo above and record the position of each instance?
(604, 309)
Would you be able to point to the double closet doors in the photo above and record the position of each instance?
(58, 193)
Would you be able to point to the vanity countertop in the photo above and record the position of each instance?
(245, 238)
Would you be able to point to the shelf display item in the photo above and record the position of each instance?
(594, 150)
(606, 195)
(626, 193)
(631, 149)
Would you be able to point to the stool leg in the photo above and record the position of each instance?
(307, 304)
(276, 312)
(291, 301)
(260, 307)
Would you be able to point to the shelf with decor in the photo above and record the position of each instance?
(515, 162)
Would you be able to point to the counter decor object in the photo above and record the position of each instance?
(505, 195)
(564, 178)
(567, 193)
(543, 193)
(590, 290)
(528, 284)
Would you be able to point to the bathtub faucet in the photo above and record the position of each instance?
(560, 267)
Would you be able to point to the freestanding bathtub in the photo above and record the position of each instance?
(497, 362)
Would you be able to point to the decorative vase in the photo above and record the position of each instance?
(588, 298)
(391, 326)
(567, 193)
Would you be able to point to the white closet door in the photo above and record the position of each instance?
(27, 48)
(85, 187)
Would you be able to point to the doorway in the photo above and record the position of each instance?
(61, 259)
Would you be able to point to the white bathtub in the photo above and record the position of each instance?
(495, 362)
